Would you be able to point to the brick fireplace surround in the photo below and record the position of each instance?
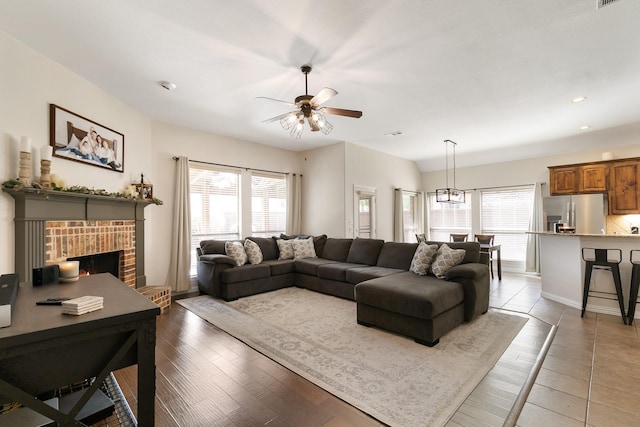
(50, 225)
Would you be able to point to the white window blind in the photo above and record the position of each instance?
(447, 218)
(505, 212)
(268, 204)
(215, 205)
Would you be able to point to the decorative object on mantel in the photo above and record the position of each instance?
(45, 166)
(144, 190)
(450, 194)
(24, 173)
(16, 186)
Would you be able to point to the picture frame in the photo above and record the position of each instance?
(77, 138)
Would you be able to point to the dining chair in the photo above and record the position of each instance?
(487, 239)
(458, 237)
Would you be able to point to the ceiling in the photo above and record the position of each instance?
(495, 76)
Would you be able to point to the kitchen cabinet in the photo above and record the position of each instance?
(624, 187)
(592, 178)
(563, 180)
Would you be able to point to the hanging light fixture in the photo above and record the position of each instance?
(449, 194)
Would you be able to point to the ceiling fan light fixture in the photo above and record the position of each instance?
(450, 194)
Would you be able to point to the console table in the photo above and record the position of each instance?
(44, 349)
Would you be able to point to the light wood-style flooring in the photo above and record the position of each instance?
(589, 377)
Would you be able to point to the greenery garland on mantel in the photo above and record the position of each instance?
(15, 185)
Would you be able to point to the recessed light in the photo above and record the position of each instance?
(585, 127)
(167, 85)
(578, 99)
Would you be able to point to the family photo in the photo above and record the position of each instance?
(77, 138)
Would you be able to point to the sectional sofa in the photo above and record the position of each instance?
(374, 273)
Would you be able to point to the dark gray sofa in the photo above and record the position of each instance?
(372, 272)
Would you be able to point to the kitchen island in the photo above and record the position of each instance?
(562, 269)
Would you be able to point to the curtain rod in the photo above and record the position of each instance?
(502, 186)
(235, 167)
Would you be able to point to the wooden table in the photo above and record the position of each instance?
(487, 248)
(44, 349)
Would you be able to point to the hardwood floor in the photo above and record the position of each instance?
(589, 377)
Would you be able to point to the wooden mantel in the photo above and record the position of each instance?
(33, 207)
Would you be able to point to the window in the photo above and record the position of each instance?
(365, 212)
(411, 215)
(215, 205)
(268, 204)
(505, 213)
(447, 218)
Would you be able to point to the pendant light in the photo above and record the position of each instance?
(450, 194)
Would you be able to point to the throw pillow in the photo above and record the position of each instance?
(303, 248)
(423, 258)
(446, 259)
(254, 254)
(286, 248)
(236, 251)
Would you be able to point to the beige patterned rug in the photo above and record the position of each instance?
(390, 377)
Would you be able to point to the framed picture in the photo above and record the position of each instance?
(77, 138)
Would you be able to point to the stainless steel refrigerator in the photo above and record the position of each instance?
(586, 212)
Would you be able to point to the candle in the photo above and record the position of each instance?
(25, 144)
(69, 269)
(45, 153)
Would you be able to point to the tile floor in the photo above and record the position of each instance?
(591, 374)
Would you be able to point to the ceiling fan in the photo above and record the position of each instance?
(308, 107)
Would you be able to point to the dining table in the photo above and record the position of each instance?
(491, 249)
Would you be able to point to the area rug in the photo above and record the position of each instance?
(390, 377)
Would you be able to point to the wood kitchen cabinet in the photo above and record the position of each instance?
(592, 178)
(563, 180)
(624, 188)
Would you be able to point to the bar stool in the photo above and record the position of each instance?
(635, 283)
(599, 259)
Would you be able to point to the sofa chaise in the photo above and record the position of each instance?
(374, 273)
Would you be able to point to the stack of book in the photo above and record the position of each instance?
(81, 305)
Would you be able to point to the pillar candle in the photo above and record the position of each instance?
(45, 153)
(69, 269)
(25, 144)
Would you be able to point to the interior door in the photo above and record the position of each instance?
(364, 213)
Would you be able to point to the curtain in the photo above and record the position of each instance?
(178, 277)
(535, 224)
(294, 202)
(421, 218)
(398, 216)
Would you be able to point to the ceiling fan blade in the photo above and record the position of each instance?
(276, 118)
(342, 112)
(277, 100)
(323, 96)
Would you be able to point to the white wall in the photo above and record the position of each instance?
(29, 82)
(323, 185)
(369, 168)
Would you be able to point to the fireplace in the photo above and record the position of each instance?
(55, 225)
(108, 262)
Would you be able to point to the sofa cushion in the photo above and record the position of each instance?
(336, 271)
(446, 259)
(365, 251)
(423, 297)
(309, 266)
(254, 254)
(303, 248)
(236, 251)
(423, 258)
(472, 249)
(360, 274)
(279, 267)
(212, 247)
(336, 249)
(285, 248)
(397, 255)
(244, 273)
(268, 247)
(318, 243)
